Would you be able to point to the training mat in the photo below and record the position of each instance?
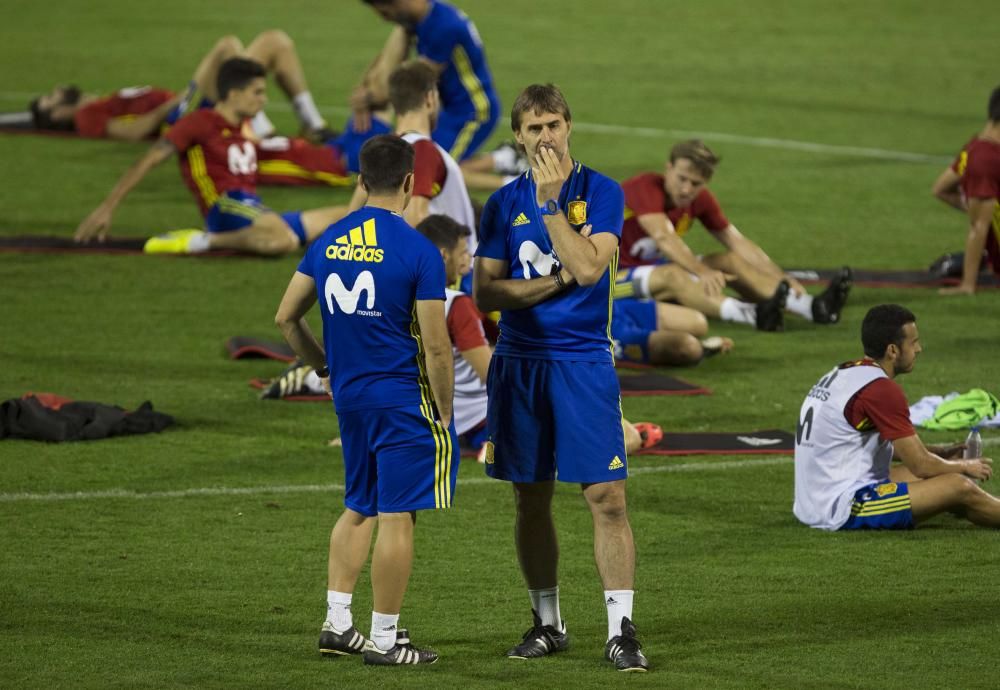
(884, 278)
(769, 441)
(248, 347)
(64, 244)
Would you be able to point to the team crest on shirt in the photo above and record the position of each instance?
(576, 212)
(885, 489)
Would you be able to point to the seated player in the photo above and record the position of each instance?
(649, 332)
(218, 159)
(143, 112)
(855, 420)
(972, 184)
(659, 211)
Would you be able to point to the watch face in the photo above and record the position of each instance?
(551, 206)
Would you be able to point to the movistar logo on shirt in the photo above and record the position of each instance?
(359, 244)
(521, 220)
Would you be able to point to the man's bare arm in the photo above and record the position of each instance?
(479, 359)
(946, 188)
(437, 354)
(98, 222)
(659, 227)
(300, 295)
(923, 463)
(493, 291)
(418, 209)
(586, 258)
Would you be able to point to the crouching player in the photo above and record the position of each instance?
(389, 368)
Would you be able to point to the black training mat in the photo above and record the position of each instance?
(248, 347)
(884, 278)
(650, 382)
(770, 442)
(61, 244)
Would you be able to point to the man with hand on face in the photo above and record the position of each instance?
(554, 402)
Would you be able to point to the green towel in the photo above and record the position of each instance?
(963, 412)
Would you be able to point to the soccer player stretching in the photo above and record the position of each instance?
(554, 402)
(381, 288)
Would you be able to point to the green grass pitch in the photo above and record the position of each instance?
(136, 586)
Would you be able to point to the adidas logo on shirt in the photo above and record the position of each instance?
(359, 244)
(616, 464)
(521, 220)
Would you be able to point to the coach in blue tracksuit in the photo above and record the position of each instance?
(554, 402)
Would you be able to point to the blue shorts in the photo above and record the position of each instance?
(554, 419)
(396, 460)
(235, 210)
(881, 506)
(632, 320)
(462, 136)
(349, 142)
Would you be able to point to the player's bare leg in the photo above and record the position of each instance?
(268, 236)
(316, 220)
(956, 493)
(350, 542)
(674, 348)
(673, 283)
(535, 534)
(276, 51)
(614, 547)
(752, 283)
(676, 317)
(392, 560)
(208, 69)
(633, 440)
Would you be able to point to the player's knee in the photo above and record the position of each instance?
(533, 499)
(228, 46)
(607, 500)
(699, 325)
(275, 243)
(964, 487)
(276, 39)
(689, 350)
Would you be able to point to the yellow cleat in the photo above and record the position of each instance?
(173, 242)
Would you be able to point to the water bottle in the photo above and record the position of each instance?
(973, 444)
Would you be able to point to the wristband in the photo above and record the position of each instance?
(560, 283)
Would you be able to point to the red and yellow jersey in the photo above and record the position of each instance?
(215, 156)
(92, 119)
(978, 165)
(645, 194)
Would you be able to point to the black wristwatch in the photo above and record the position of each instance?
(323, 373)
(549, 208)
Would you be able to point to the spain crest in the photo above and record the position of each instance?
(576, 212)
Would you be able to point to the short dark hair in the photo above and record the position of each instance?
(42, 117)
(444, 231)
(539, 99)
(702, 158)
(237, 73)
(385, 160)
(882, 327)
(994, 108)
(409, 84)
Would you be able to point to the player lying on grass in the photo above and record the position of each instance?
(659, 211)
(855, 420)
(218, 159)
(972, 184)
(470, 349)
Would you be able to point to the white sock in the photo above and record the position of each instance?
(546, 604)
(800, 304)
(619, 603)
(261, 126)
(312, 384)
(738, 312)
(640, 282)
(384, 630)
(307, 111)
(338, 610)
(201, 242)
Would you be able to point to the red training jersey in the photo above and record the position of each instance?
(215, 156)
(465, 325)
(92, 119)
(880, 405)
(645, 194)
(978, 164)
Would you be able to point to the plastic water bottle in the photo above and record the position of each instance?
(973, 444)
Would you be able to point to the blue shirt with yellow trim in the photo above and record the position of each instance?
(575, 324)
(448, 37)
(369, 269)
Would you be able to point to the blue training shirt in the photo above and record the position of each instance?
(575, 324)
(448, 37)
(370, 268)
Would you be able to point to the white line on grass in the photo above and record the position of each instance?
(656, 133)
(334, 488)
